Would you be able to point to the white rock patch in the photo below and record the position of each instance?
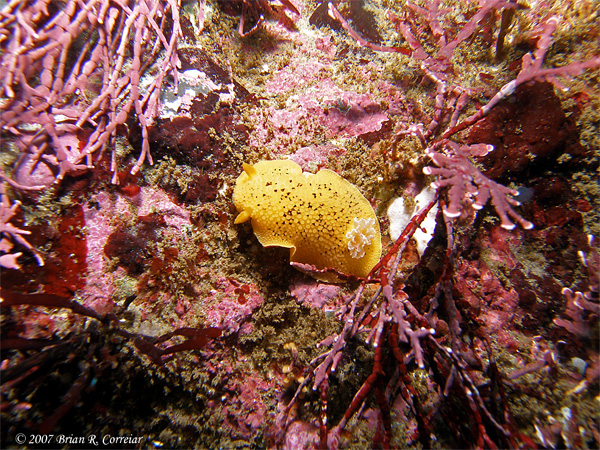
(400, 215)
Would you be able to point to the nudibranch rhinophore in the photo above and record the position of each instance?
(323, 219)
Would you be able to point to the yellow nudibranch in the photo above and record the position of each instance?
(323, 219)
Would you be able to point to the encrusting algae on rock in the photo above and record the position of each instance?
(323, 219)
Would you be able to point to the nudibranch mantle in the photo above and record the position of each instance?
(323, 219)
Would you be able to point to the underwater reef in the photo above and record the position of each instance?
(416, 265)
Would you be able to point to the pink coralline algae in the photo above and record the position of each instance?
(250, 403)
(318, 107)
(310, 292)
(321, 108)
(314, 157)
(468, 186)
(301, 435)
(230, 303)
(10, 234)
(99, 220)
(63, 116)
(583, 308)
(297, 76)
